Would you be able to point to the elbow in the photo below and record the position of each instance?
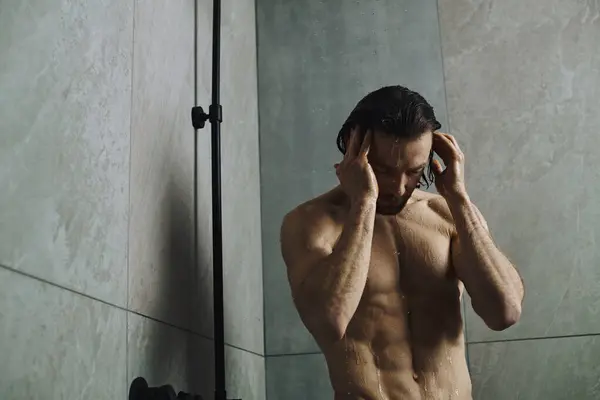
(327, 324)
(507, 316)
(330, 326)
(336, 325)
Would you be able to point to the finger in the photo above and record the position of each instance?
(444, 148)
(437, 167)
(353, 143)
(366, 144)
(455, 143)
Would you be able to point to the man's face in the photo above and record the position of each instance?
(399, 165)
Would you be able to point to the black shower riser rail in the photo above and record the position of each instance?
(139, 389)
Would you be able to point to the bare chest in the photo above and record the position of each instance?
(410, 259)
(411, 287)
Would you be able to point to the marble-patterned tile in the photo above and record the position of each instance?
(164, 283)
(56, 344)
(549, 369)
(242, 253)
(244, 374)
(65, 92)
(522, 82)
(301, 376)
(163, 354)
(315, 62)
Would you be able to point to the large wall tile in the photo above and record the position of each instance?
(522, 81)
(298, 377)
(242, 253)
(163, 354)
(316, 60)
(245, 374)
(56, 344)
(163, 281)
(549, 369)
(65, 92)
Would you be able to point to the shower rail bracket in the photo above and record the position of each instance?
(199, 117)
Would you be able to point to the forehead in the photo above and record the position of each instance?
(389, 150)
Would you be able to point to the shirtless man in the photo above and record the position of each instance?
(377, 267)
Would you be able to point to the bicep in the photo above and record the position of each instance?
(302, 251)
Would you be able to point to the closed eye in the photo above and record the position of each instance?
(417, 171)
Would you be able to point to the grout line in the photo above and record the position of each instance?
(260, 191)
(42, 280)
(529, 339)
(129, 194)
(309, 353)
(592, 334)
(195, 163)
(245, 350)
(443, 66)
(126, 310)
(37, 278)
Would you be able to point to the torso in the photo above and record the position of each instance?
(405, 340)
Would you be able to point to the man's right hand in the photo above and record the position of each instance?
(355, 174)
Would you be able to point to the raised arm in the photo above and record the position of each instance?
(327, 282)
(328, 274)
(492, 281)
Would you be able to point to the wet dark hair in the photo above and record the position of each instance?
(394, 110)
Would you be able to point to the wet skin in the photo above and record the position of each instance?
(405, 338)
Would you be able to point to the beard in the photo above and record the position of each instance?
(391, 205)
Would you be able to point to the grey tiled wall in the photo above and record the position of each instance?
(315, 61)
(522, 81)
(97, 282)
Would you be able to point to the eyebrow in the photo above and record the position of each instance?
(419, 167)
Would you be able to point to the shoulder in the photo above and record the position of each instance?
(312, 223)
(436, 209)
(438, 206)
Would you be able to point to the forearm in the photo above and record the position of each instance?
(340, 278)
(495, 287)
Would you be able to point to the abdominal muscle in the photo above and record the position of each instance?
(378, 360)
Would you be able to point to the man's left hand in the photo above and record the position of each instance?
(450, 182)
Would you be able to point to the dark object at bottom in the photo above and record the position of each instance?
(139, 390)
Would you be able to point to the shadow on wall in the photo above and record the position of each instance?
(184, 357)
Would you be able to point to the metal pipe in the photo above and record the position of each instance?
(139, 389)
(215, 116)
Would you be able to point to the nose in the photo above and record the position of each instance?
(398, 184)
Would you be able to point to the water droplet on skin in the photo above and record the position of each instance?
(379, 381)
(381, 394)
